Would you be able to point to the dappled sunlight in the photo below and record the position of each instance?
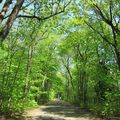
(59, 112)
(59, 59)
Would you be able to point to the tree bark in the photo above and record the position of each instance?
(4, 9)
(1, 1)
(28, 70)
(4, 32)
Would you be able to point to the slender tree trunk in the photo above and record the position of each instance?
(28, 70)
(85, 90)
(67, 87)
(70, 76)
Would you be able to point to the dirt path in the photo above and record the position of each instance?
(58, 110)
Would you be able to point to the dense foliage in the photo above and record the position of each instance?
(74, 56)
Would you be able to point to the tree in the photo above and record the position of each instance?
(74, 56)
(34, 9)
(108, 19)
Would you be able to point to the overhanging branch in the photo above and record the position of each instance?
(103, 37)
(40, 18)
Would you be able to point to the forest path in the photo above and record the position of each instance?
(59, 110)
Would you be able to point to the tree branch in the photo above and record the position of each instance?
(40, 18)
(99, 33)
(110, 10)
(27, 5)
(47, 17)
(107, 20)
(102, 15)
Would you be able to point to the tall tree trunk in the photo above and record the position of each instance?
(117, 53)
(85, 90)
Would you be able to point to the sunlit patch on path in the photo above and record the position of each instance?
(58, 110)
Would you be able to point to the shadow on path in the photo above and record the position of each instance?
(68, 111)
(59, 111)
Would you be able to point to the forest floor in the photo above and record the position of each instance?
(59, 110)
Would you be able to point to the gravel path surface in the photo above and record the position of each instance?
(59, 110)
